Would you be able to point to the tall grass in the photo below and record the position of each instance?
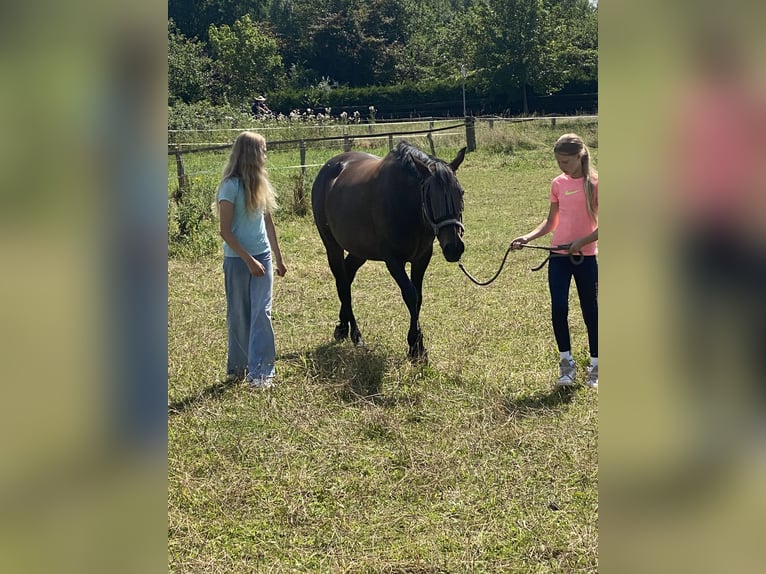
(359, 461)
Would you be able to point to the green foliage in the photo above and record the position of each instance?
(575, 44)
(247, 59)
(203, 116)
(538, 44)
(424, 98)
(189, 68)
(513, 50)
(192, 225)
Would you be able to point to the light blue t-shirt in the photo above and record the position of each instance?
(249, 228)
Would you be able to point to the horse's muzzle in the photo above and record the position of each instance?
(453, 251)
(450, 240)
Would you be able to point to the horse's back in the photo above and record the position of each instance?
(336, 167)
(368, 206)
(341, 196)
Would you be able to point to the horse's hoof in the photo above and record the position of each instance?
(418, 356)
(356, 338)
(341, 332)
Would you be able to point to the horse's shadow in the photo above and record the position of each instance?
(355, 375)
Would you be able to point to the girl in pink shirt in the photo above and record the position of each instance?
(573, 218)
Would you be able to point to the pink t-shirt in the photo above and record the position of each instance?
(574, 221)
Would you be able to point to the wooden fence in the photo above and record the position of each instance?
(469, 124)
(348, 139)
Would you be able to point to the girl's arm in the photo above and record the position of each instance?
(271, 231)
(548, 225)
(578, 244)
(226, 212)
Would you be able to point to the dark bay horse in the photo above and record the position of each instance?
(389, 210)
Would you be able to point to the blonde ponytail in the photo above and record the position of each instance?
(572, 144)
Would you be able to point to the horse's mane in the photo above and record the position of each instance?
(453, 199)
(403, 153)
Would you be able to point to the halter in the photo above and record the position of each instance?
(436, 223)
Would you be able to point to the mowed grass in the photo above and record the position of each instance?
(359, 461)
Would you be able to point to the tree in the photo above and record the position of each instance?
(577, 45)
(358, 42)
(247, 59)
(189, 68)
(537, 44)
(194, 17)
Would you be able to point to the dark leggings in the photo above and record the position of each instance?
(561, 269)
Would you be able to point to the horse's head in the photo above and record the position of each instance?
(442, 199)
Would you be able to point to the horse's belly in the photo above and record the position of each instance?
(357, 240)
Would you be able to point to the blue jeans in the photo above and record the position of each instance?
(252, 351)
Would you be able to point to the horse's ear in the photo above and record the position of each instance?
(455, 163)
(424, 170)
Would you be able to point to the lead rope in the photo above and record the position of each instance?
(495, 276)
(576, 259)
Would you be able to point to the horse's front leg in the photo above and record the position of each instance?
(410, 295)
(418, 271)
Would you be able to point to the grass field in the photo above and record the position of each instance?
(359, 461)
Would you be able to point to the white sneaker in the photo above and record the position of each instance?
(567, 371)
(592, 380)
(260, 384)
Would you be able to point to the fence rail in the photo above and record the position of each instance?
(183, 177)
(345, 137)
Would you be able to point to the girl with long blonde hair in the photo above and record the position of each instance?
(245, 200)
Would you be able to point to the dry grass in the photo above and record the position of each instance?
(359, 461)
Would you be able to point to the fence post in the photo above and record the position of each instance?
(346, 143)
(430, 139)
(553, 122)
(491, 123)
(470, 133)
(390, 142)
(183, 179)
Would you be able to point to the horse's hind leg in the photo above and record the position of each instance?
(335, 259)
(344, 273)
(352, 264)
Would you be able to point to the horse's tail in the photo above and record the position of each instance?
(322, 183)
(327, 173)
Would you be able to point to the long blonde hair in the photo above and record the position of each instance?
(572, 144)
(246, 162)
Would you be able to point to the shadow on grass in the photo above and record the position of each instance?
(541, 402)
(354, 374)
(214, 391)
